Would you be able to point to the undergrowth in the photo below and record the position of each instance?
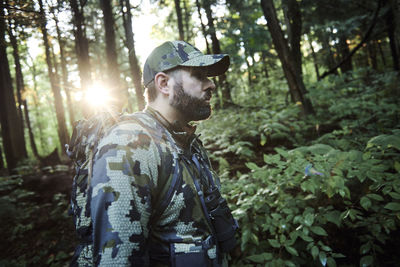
(317, 191)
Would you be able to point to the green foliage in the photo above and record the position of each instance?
(314, 191)
(36, 227)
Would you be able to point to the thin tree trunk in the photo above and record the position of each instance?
(392, 38)
(178, 11)
(264, 65)
(39, 124)
(60, 113)
(381, 53)
(64, 72)
(118, 94)
(344, 51)
(216, 49)
(314, 56)
(186, 21)
(294, 25)
(296, 85)
(133, 61)
(203, 27)
(1, 159)
(372, 54)
(19, 83)
(12, 136)
(82, 50)
(20, 89)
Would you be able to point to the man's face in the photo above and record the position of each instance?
(192, 94)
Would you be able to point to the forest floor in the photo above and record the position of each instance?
(36, 227)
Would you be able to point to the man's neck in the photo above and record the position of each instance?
(168, 112)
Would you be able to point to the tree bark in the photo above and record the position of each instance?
(178, 11)
(118, 94)
(133, 61)
(391, 29)
(344, 51)
(216, 49)
(19, 83)
(81, 45)
(64, 72)
(295, 82)
(314, 56)
(20, 89)
(203, 27)
(294, 25)
(12, 136)
(59, 107)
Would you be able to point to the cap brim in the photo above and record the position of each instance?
(214, 64)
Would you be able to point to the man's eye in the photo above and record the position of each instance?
(199, 75)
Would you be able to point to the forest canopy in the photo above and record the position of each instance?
(305, 130)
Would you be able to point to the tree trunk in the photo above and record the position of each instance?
(314, 56)
(19, 83)
(1, 159)
(264, 65)
(344, 51)
(188, 13)
(64, 72)
(179, 19)
(133, 61)
(216, 49)
(20, 89)
(81, 46)
(12, 136)
(372, 54)
(203, 27)
(294, 26)
(381, 53)
(391, 28)
(118, 94)
(295, 82)
(60, 113)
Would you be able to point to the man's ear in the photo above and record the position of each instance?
(161, 83)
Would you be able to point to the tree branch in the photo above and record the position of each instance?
(366, 36)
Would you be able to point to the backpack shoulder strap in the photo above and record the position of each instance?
(163, 202)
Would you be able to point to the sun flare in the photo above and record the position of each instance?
(97, 95)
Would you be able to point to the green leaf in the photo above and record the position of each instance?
(309, 219)
(375, 197)
(314, 252)
(322, 258)
(318, 230)
(385, 141)
(365, 248)
(274, 243)
(365, 203)
(252, 166)
(366, 261)
(394, 195)
(263, 140)
(333, 217)
(261, 258)
(290, 264)
(397, 166)
(292, 250)
(331, 262)
(393, 206)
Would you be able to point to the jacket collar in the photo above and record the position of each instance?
(182, 134)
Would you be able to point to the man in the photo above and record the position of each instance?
(152, 198)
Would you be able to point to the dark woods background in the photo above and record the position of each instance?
(305, 133)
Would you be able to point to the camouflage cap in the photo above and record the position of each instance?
(179, 53)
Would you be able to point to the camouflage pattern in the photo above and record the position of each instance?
(179, 53)
(118, 190)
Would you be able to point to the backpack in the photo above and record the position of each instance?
(81, 150)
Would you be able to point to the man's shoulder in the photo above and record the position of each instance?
(135, 127)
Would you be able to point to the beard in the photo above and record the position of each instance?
(192, 108)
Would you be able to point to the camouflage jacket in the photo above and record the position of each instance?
(118, 217)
